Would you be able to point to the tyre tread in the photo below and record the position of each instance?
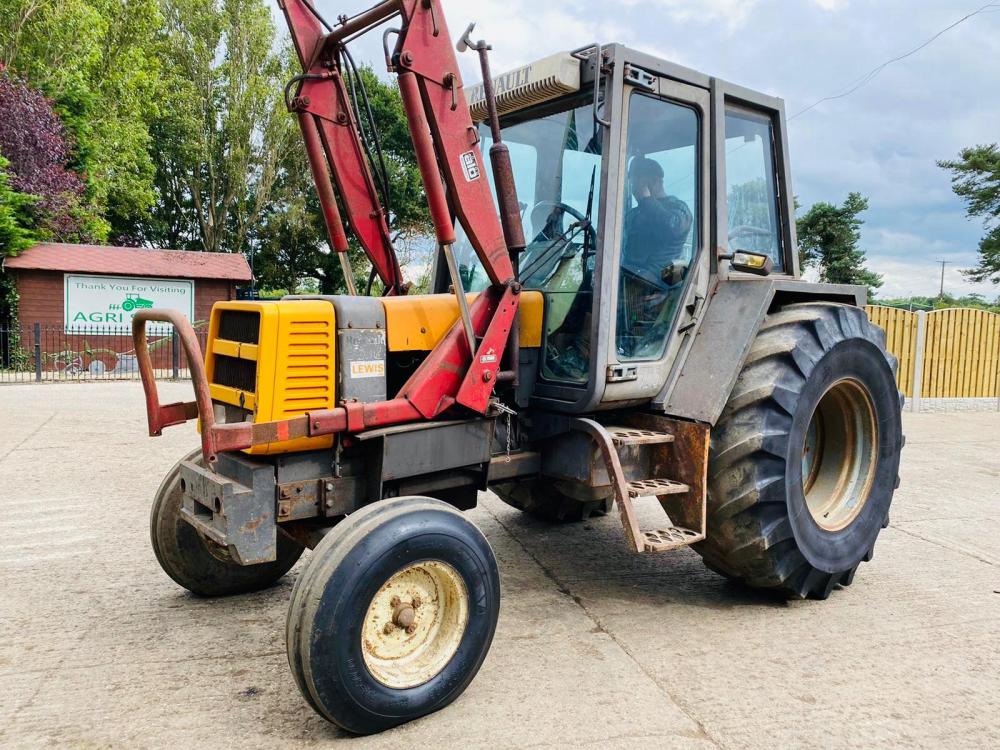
(750, 537)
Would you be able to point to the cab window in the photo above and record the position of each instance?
(660, 228)
(751, 187)
(556, 159)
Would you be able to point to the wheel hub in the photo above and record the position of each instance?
(414, 624)
(839, 455)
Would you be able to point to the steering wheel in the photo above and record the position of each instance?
(578, 215)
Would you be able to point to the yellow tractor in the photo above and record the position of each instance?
(617, 319)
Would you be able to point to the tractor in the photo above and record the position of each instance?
(136, 302)
(617, 317)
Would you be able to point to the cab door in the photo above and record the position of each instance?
(657, 274)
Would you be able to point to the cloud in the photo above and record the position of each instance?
(831, 5)
(922, 277)
(730, 14)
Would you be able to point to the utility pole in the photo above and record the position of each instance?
(943, 264)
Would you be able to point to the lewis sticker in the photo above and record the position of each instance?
(368, 368)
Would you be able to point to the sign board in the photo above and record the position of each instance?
(106, 304)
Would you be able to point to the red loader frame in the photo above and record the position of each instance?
(446, 145)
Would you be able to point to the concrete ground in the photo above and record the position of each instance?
(596, 647)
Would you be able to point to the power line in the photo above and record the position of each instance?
(873, 73)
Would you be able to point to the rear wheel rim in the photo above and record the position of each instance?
(414, 624)
(839, 455)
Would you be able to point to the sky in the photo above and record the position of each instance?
(882, 141)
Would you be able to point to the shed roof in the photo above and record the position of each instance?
(131, 261)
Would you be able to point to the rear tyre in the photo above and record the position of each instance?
(542, 499)
(804, 458)
(393, 615)
(199, 565)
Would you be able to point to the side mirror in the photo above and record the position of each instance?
(758, 264)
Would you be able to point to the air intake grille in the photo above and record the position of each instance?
(235, 373)
(238, 325)
(533, 84)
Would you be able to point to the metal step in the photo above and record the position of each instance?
(634, 436)
(655, 487)
(671, 537)
(689, 505)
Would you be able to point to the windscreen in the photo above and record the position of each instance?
(556, 160)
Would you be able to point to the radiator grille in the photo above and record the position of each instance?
(239, 325)
(307, 358)
(235, 373)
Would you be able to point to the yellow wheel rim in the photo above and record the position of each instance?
(415, 624)
(840, 455)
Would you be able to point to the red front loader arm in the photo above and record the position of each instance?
(465, 365)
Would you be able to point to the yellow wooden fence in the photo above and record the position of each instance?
(900, 328)
(957, 351)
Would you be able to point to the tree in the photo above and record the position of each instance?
(34, 141)
(222, 127)
(15, 235)
(15, 217)
(829, 236)
(292, 241)
(97, 60)
(975, 178)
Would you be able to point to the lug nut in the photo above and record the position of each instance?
(411, 629)
(394, 601)
(389, 627)
(416, 602)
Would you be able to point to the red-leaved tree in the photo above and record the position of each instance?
(33, 140)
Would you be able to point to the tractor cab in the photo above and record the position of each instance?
(634, 177)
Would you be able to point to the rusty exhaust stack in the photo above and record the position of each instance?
(503, 179)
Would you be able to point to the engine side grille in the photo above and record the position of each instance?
(235, 373)
(308, 360)
(239, 325)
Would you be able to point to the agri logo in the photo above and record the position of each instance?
(135, 302)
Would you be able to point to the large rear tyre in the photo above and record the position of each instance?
(197, 564)
(393, 615)
(545, 501)
(804, 459)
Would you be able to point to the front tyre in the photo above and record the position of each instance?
(393, 615)
(805, 457)
(197, 564)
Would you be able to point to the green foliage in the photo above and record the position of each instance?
(222, 127)
(975, 178)
(292, 244)
(15, 216)
(177, 127)
(15, 235)
(829, 236)
(409, 215)
(97, 59)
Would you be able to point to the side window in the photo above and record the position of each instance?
(751, 188)
(660, 229)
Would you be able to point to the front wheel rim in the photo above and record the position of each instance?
(839, 455)
(414, 624)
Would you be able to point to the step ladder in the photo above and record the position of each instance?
(680, 448)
